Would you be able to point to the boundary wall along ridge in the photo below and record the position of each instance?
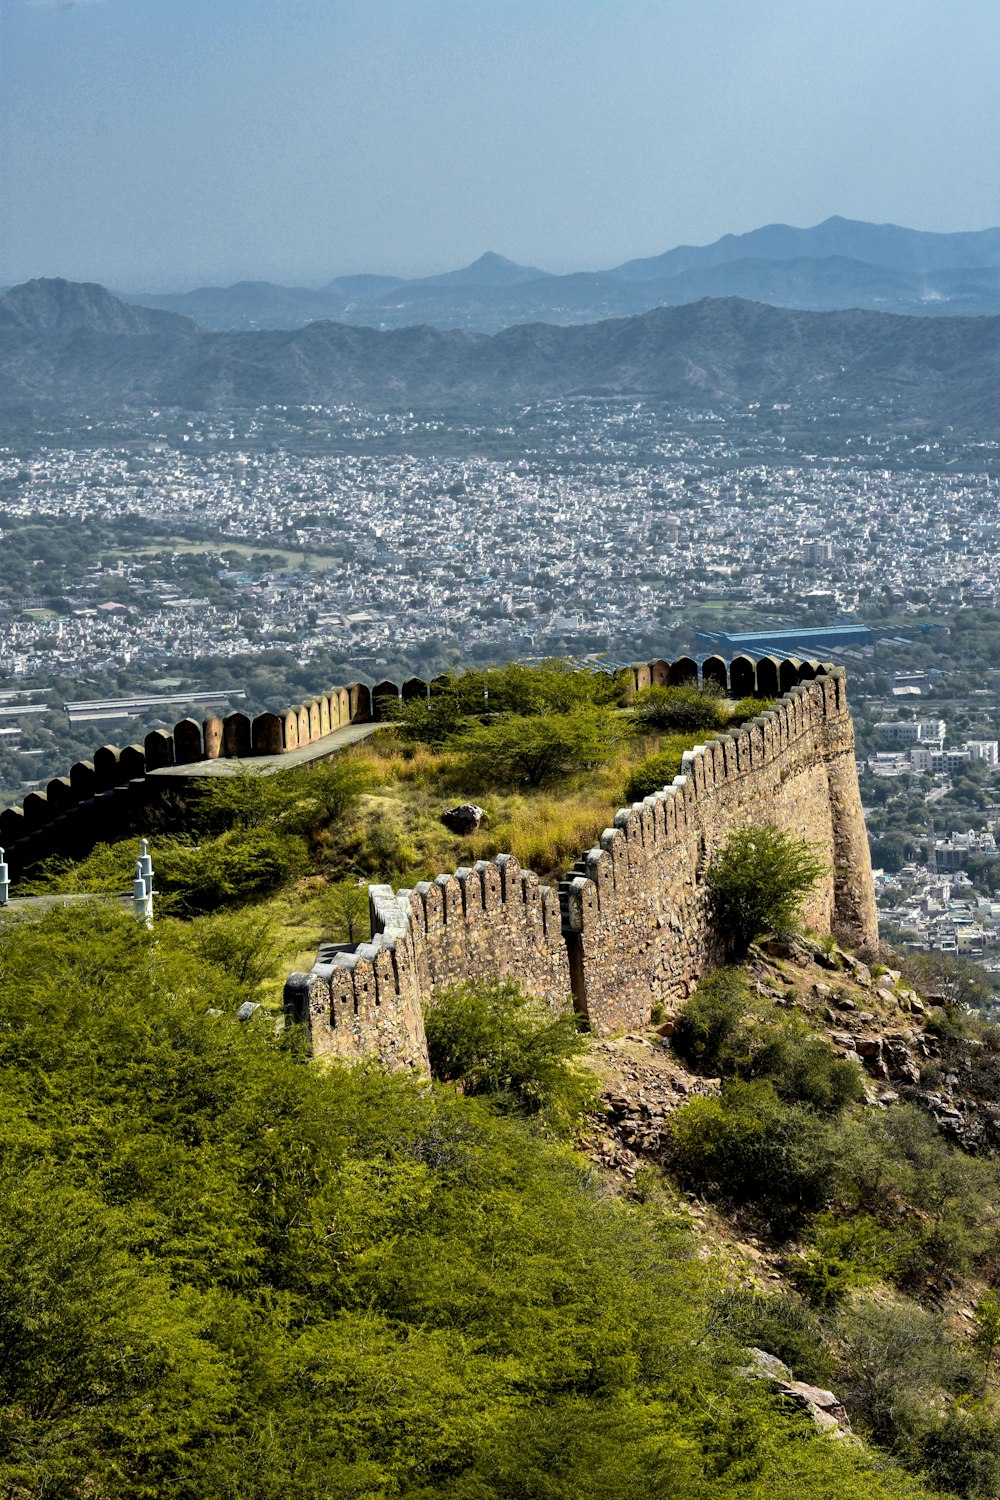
(630, 927)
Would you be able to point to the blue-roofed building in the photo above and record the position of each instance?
(806, 641)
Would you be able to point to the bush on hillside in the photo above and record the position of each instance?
(301, 800)
(782, 1325)
(757, 882)
(709, 1033)
(957, 982)
(204, 1239)
(753, 1148)
(246, 944)
(896, 1361)
(344, 911)
(240, 866)
(749, 708)
(656, 772)
(804, 1068)
(686, 707)
(520, 688)
(537, 751)
(495, 1041)
(844, 1253)
(712, 1036)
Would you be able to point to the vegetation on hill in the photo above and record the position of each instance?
(540, 748)
(70, 348)
(226, 1272)
(881, 1225)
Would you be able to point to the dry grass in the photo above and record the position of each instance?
(397, 835)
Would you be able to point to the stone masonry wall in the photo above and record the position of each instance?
(636, 915)
(492, 919)
(631, 926)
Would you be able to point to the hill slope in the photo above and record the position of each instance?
(65, 347)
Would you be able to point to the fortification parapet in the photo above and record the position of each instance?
(630, 927)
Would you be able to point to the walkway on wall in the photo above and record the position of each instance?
(319, 749)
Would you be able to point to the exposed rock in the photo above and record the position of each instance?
(766, 1366)
(463, 819)
(860, 972)
(826, 1410)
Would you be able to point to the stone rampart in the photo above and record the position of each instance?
(364, 1000)
(631, 927)
(110, 797)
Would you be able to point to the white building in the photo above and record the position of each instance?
(909, 731)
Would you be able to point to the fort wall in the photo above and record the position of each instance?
(114, 794)
(627, 930)
(630, 927)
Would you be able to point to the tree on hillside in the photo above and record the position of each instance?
(757, 883)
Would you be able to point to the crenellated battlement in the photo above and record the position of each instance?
(627, 930)
(490, 919)
(629, 927)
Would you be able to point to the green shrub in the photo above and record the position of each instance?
(895, 1161)
(327, 791)
(749, 708)
(686, 707)
(237, 867)
(205, 1239)
(344, 911)
(108, 870)
(382, 851)
(711, 1036)
(656, 772)
(536, 751)
(433, 722)
(960, 1451)
(243, 943)
(757, 883)
(783, 1326)
(844, 1253)
(753, 1148)
(249, 798)
(520, 688)
(494, 1040)
(896, 1363)
(300, 800)
(709, 1033)
(804, 1068)
(960, 983)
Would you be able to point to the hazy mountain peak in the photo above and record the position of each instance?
(911, 250)
(52, 305)
(491, 269)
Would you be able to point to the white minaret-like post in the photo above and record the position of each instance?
(142, 886)
(4, 879)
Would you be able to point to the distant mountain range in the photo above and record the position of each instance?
(841, 263)
(75, 348)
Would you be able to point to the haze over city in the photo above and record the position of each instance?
(155, 147)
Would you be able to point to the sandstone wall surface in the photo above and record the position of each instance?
(631, 927)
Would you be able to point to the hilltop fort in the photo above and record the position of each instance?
(627, 932)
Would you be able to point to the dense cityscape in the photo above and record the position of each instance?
(189, 560)
(614, 522)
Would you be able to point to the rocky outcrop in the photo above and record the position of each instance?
(826, 1410)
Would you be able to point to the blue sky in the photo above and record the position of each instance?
(166, 143)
